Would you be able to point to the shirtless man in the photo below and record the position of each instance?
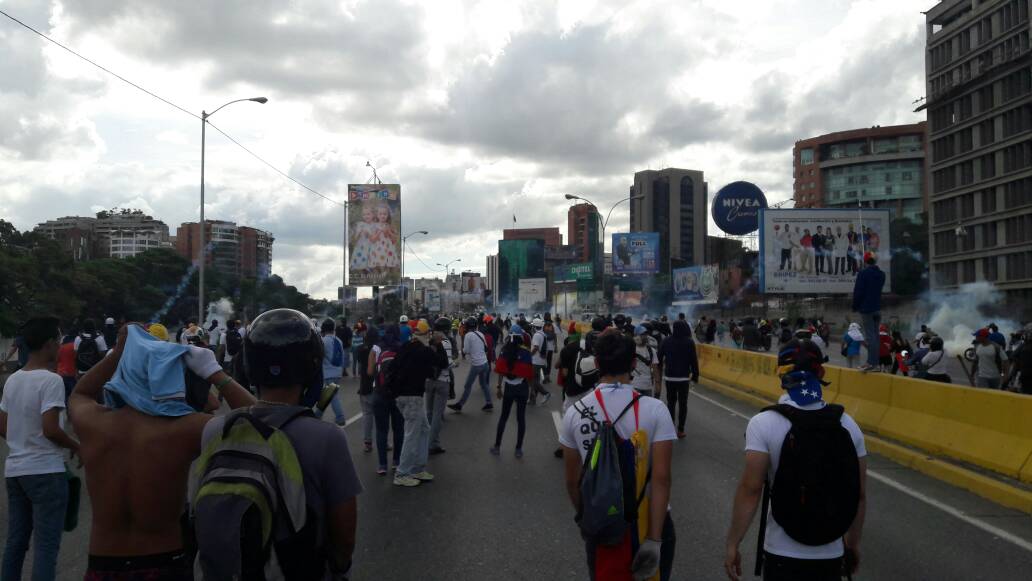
(137, 467)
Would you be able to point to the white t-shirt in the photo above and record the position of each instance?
(539, 342)
(101, 344)
(936, 362)
(445, 374)
(27, 396)
(641, 375)
(582, 421)
(474, 345)
(766, 433)
(987, 355)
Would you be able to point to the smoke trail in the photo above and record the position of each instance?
(180, 288)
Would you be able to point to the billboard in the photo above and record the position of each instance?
(532, 292)
(820, 251)
(579, 272)
(374, 234)
(696, 284)
(518, 259)
(627, 299)
(636, 253)
(472, 288)
(433, 300)
(736, 208)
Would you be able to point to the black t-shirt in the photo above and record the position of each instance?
(415, 363)
(344, 334)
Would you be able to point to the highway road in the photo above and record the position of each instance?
(503, 518)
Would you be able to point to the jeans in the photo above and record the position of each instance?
(778, 568)
(416, 446)
(355, 363)
(483, 372)
(436, 398)
(517, 394)
(35, 508)
(388, 417)
(677, 395)
(338, 407)
(988, 382)
(786, 258)
(666, 552)
(536, 387)
(870, 322)
(368, 417)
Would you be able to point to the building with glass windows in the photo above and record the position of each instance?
(879, 167)
(978, 70)
(675, 204)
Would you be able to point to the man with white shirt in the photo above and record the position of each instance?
(30, 422)
(538, 346)
(799, 545)
(474, 346)
(651, 430)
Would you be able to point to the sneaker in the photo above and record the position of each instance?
(437, 450)
(519, 452)
(681, 435)
(381, 471)
(342, 422)
(455, 407)
(487, 408)
(405, 481)
(367, 446)
(547, 396)
(424, 476)
(494, 450)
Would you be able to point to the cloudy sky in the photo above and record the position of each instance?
(480, 109)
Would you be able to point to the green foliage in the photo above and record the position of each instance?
(38, 277)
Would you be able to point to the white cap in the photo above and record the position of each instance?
(109, 321)
(403, 319)
(538, 322)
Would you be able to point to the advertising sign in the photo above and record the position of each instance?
(636, 253)
(696, 284)
(627, 299)
(580, 272)
(532, 292)
(472, 288)
(433, 300)
(736, 208)
(518, 259)
(821, 250)
(374, 234)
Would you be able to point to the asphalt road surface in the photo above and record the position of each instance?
(502, 518)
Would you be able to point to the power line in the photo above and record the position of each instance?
(169, 103)
(408, 246)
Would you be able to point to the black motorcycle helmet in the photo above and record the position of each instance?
(443, 325)
(282, 349)
(598, 324)
(620, 321)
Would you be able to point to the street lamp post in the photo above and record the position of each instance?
(403, 240)
(201, 251)
(602, 274)
(445, 266)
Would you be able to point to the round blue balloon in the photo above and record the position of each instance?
(736, 208)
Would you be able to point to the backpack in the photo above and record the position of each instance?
(386, 373)
(247, 500)
(88, 353)
(584, 374)
(608, 505)
(234, 342)
(816, 488)
(337, 359)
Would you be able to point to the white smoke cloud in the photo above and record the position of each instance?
(959, 314)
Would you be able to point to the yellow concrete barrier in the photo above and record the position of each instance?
(989, 429)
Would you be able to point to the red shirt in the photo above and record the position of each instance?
(66, 360)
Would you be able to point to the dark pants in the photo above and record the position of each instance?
(778, 568)
(677, 401)
(517, 394)
(174, 566)
(786, 258)
(548, 365)
(36, 507)
(388, 417)
(819, 260)
(666, 551)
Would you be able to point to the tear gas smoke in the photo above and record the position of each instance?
(959, 314)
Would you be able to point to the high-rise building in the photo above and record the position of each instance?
(584, 228)
(877, 167)
(979, 103)
(111, 234)
(552, 237)
(492, 272)
(675, 204)
(236, 252)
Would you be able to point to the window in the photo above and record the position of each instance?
(1017, 120)
(1017, 265)
(986, 98)
(806, 156)
(1017, 84)
(1017, 157)
(965, 106)
(987, 131)
(906, 176)
(946, 274)
(886, 145)
(987, 166)
(1017, 229)
(1017, 193)
(967, 173)
(967, 205)
(990, 268)
(989, 201)
(944, 179)
(989, 235)
(945, 243)
(967, 271)
(888, 190)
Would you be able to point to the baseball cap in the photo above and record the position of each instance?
(982, 333)
(403, 319)
(109, 321)
(870, 256)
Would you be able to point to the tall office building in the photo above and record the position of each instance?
(878, 167)
(584, 230)
(979, 103)
(236, 252)
(675, 204)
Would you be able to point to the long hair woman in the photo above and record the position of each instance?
(515, 369)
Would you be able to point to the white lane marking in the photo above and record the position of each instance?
(557, 420)
(354, 419)
(950, 510)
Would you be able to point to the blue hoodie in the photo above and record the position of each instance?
(868, 289)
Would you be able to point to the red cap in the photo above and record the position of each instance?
(982, 333)
(869, 257)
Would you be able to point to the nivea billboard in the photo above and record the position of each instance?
(736, 208)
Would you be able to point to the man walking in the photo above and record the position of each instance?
(827, 468)
(538, 345)
(474, 346)
(867, 293)
(437, 389)
(413, 366)
(990, 361)
(30, 421)
(333, 364)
